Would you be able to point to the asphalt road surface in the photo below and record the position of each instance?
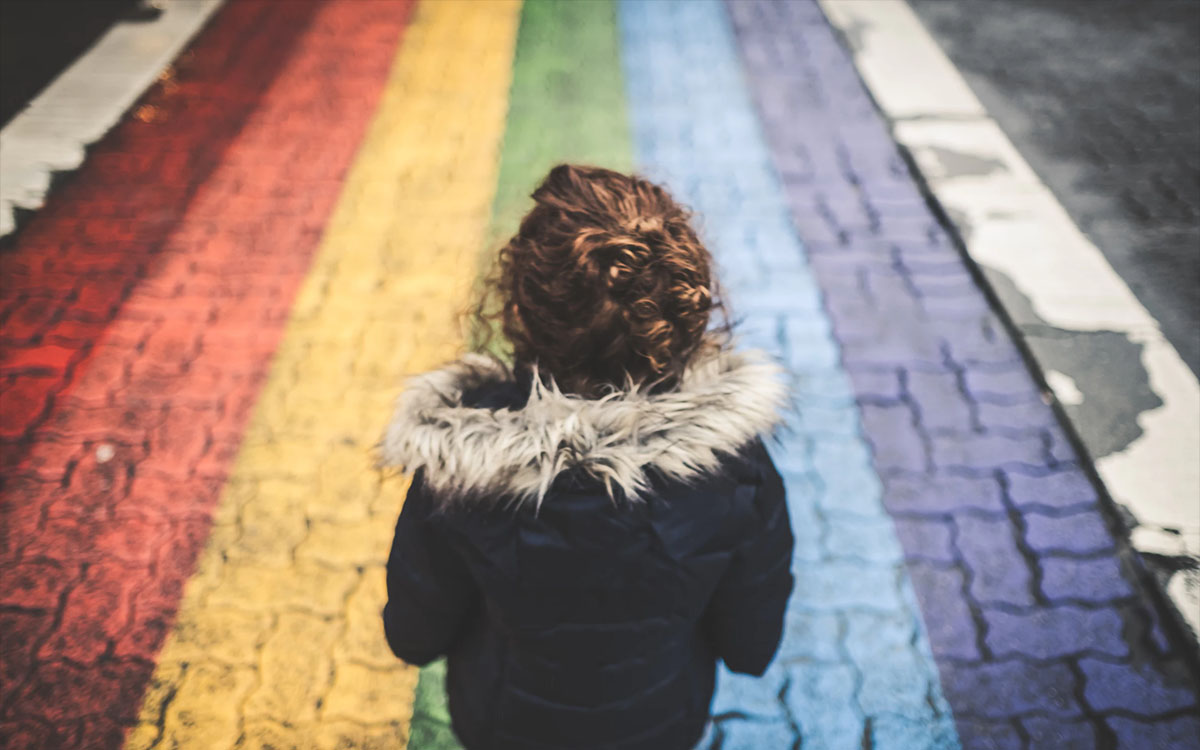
(39, 38)
(1103, 100)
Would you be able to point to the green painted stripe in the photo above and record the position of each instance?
(567, 103)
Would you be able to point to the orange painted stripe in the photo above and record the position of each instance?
(142, 308)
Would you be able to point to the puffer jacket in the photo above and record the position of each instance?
(584, 563)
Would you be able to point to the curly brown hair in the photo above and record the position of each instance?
(605, 283)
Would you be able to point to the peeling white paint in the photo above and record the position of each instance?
(1184, 587)
(1064, 388)
(1012, 223)
(81, 105)
(907, 73)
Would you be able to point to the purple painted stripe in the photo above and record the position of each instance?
(1040, 637)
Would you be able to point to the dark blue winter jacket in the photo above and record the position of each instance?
(582, 562)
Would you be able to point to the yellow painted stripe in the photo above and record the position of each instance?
(279, 640)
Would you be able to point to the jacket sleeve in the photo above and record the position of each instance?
(430, 591)
(746, 615)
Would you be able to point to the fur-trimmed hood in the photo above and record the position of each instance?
(723, 401)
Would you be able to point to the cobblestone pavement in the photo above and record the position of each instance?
(855, 666)
(1104, 101)
(141, 308)
(1129, 397)
(1029, 601)
(204, 328)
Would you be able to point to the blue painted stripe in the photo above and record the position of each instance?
(855, 660)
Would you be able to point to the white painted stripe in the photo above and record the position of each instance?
(1012, 223)
(904, 68)
(87, 99)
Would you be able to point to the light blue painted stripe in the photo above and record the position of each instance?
(855, 658)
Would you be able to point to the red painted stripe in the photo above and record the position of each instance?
(141, 308)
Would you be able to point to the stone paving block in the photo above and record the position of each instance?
(1053, 734)
(30, 733)
(743, 734)
(895, 440)
(367, 695)
(1175, 733)
(941, 404)
(1025, 416)
(810, 636)
(952, 634)
(205, 709)
(810, 343)
(1082, 532)
(850, 485)
(874, 636)
(892, 684)
(978, 342)
(983, 453)
(269, 536)
(1055, 631)
(999, 572)
(360, 642)
(1058, 446)
(884, 345)
(808, 528)
(1096, 579)
(838, 585)
(926, 539)
(831, 387)
(1012, 385)
(325, 543)
(784, 296)
(941, 494)
(1011, 687)
(873, 540)
(977, 734)
(1141, 688)
(891, 732)
(305, 585)
(229, 636)
(24, 633)
(93, 615)
(1061, 489)
(63, 685)
(293, 679)
(34, 584)
(821, 700)
(820, 419)
(762, 332)
(336, 735)
(960, 286)
(879, 388)
(957, 309)
(751, 697)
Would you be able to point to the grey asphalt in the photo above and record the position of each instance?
(1102, 98)
(40, 38)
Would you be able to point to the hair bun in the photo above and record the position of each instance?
(605, 282)
(644, 225)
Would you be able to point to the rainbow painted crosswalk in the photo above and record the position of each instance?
(204, 331)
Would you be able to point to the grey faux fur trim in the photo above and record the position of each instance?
(723, 401)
